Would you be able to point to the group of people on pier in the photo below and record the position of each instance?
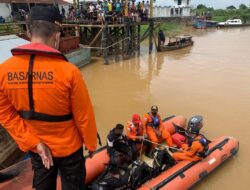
(108, 10)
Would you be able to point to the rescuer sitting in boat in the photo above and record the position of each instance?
(135, 134)
(197, 143)
(118, 147)
(154, 128)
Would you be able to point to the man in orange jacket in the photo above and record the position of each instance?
(135, 128)
(154, 128)
(197, 146)
(135, 134)
(45, 106)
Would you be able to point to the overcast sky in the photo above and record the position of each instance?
(210, 3)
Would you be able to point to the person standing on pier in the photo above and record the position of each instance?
(45, 106)
(118, 8)
(91, 9)
(104, 7)
(110, 7)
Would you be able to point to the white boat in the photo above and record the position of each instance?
(231, 22)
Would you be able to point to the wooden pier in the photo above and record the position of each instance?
(116, 39)
(108, 38)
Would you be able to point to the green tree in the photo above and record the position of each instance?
(201, 6)
(243, 6)
(231, 7)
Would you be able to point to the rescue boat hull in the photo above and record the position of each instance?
(183, 175)
(186, 174)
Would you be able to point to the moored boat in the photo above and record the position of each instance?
(203, 24)
(232, 23)
(177, 42)
(183, 175)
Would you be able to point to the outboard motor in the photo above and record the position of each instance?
(195, 122)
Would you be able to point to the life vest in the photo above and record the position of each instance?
(204, 142)
(34, 49)
(135, 130)
(155, 121)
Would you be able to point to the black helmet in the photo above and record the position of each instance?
(195, 124)
(154, 109)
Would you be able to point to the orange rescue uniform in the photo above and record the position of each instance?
(190, 153)
(58, 89)
(159, 134)
(133, 131)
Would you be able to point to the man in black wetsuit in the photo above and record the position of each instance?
(117, 147)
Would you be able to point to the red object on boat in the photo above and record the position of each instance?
(179, 139)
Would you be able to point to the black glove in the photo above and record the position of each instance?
(130, 155)
(91, 154)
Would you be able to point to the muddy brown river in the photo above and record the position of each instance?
(212, 78)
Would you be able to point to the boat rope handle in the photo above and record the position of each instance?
(143, 138)
(155, 159)
(167, 147)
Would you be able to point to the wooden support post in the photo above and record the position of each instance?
(121, 36)
(139, 36)
(127, 36)
(151, 30)
(156, 45)
(85, 34)
(96, 37)
(105, 44)
(151, 8)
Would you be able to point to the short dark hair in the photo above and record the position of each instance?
(119, 126)
(43, 29)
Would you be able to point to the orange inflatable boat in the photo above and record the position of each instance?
(181, 176)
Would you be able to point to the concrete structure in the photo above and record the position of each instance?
(180, 8)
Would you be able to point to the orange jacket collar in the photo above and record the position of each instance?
(37, 49)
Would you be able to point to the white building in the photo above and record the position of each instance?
(5, 11)
(182, 3)
(177, 8)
